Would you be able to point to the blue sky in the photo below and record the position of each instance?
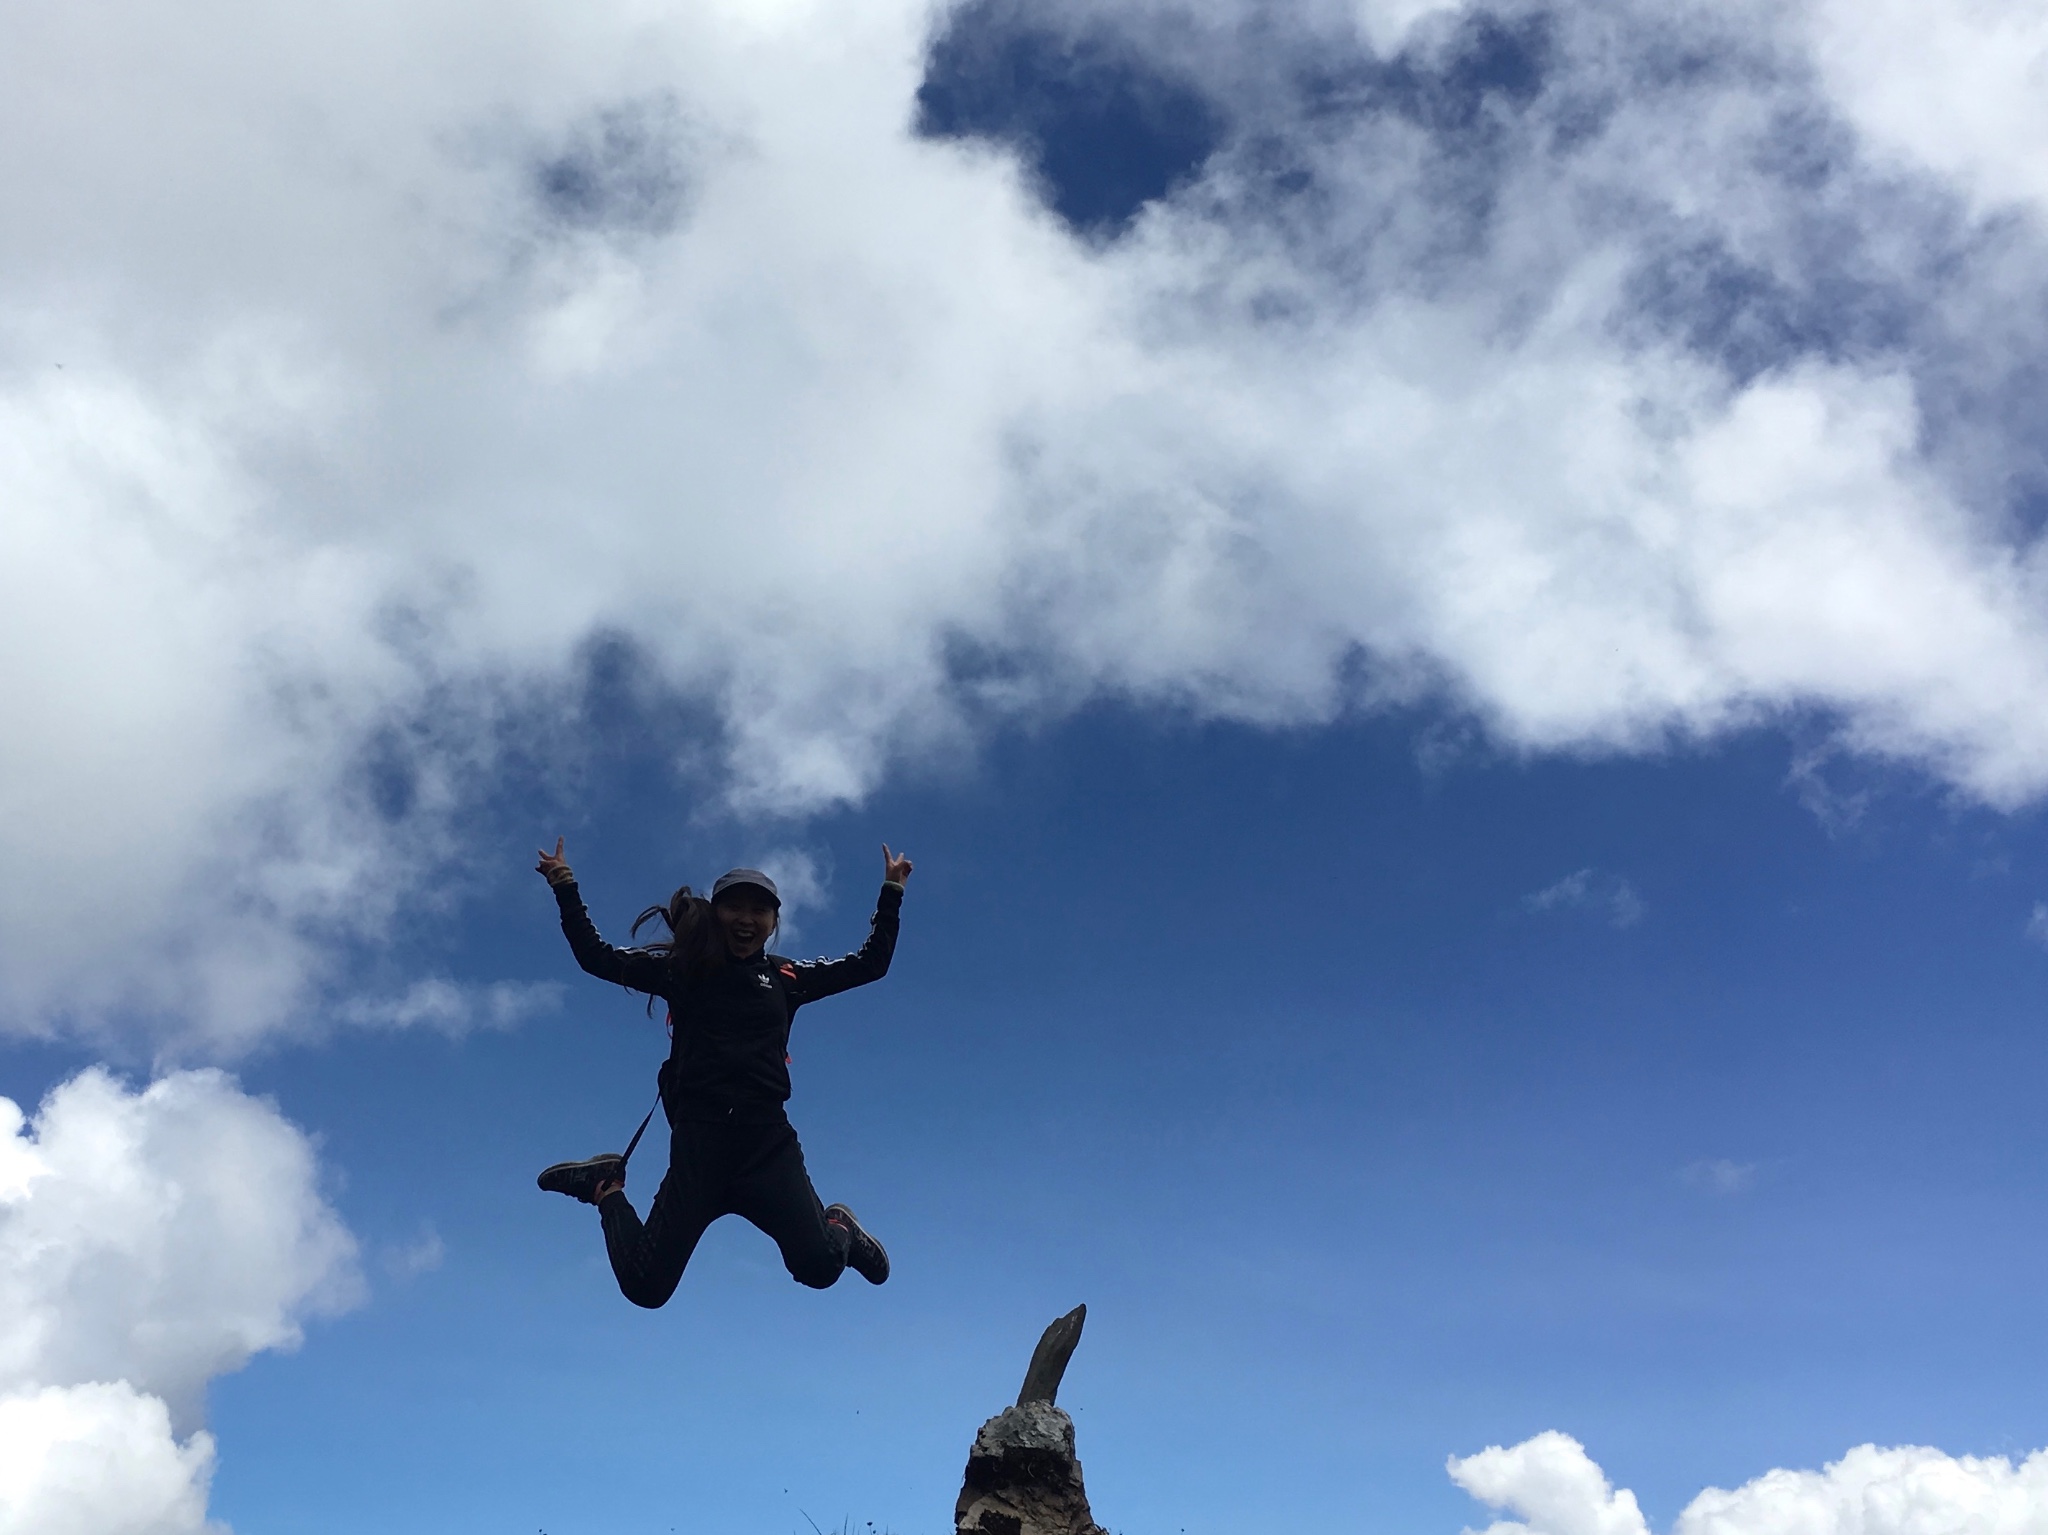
(1449, 601)
(1255, 1044)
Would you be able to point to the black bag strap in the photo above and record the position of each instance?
(635, 1141)
(660, 1097)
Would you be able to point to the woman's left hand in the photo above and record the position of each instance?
(554, 865)
(895, 870)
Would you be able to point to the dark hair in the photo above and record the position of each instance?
(693, 945)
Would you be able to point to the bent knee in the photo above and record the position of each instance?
(818, 1273)
(649, 1295)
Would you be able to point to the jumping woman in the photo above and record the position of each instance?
(732, 1150)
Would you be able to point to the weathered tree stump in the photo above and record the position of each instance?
(1022, 1477)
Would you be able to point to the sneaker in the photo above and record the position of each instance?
(864, 1255)
(582, 1180)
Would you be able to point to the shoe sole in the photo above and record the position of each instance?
(579, 1180)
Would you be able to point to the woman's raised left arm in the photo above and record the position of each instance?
(815, 978)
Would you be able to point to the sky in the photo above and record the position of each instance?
(1450, 601)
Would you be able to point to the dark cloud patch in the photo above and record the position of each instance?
(1106, 130)
(1815, 285)
(1750, 318)
(1475, 76)
(1384, 171)
(390, 776)
(624, 170)
(1390, 173)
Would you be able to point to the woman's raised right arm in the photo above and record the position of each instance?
(634, 968)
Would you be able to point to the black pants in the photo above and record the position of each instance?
(719, 1168)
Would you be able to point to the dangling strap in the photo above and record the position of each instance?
(635, 1141)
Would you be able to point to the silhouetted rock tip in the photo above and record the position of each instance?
(1049, 1360)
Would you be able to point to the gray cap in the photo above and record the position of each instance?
(732, 879)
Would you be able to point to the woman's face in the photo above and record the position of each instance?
(747, 918)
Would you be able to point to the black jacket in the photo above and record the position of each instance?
(730, 1058)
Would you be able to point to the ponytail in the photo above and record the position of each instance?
(692, 946)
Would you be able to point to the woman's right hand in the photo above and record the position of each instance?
(554, 865)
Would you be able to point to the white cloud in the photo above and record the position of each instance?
(2037, 924)
(404, 353)
(160, 1237)
(422, 1255)
(149, 1241)
(1872, 1491)
(1719, 1175)
(1836, 809)
(1552, 1483)
(1961, 89)
(1610, 896)
(1554, 1488)
(1389, 23)
(802, 884)
(453, 1008)
(99, 1459)
(799, 880)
